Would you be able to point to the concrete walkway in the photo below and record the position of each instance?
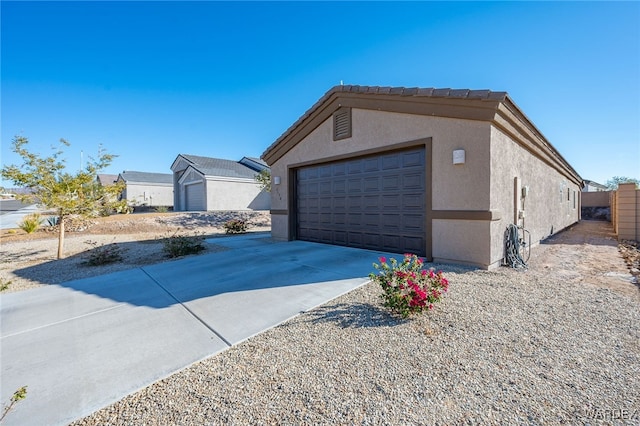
(84, 344)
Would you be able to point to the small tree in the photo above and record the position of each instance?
(52, 186)
(612, 184)
(264, 179)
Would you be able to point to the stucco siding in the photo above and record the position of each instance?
(236, 195)
(149, 194)
(552, 203)
(461, 241)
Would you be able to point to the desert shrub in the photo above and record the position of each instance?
(162, 209)
(235, 226)
(122, 207)
(183, 245)
(4, 284)
(103, 254)
(52, 220)
(407, 287)
(31, 223)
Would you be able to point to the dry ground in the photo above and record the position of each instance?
(29, 260)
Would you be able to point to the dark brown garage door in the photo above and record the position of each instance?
(375, 202)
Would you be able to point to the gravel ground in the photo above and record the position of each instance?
(29, 260)
(504, 347)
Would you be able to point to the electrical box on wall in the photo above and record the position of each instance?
(458, 156)
(525, 191)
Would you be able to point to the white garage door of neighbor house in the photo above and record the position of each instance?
(194, 194)
(374, 202)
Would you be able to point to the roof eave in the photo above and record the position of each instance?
(466, 104)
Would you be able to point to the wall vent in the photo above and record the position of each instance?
(342, 124)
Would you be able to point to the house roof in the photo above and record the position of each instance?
(106, 179)
(145, 177)
(209, 166)
(595, 184)
(480, 105)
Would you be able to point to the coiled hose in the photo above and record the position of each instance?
(512, 247)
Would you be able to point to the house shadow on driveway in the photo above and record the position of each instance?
(245, 266)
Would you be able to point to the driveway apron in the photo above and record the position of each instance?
(82, 345)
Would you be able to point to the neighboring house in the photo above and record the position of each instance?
(147, 189)
(591, 186)
(436, 172)
(204, 183)
(106, 180)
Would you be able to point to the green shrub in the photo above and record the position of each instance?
(162, 209)
(183, 245)
(235, 226)
(104, 254)
(18, 396)
(31, 223)
(4, 284)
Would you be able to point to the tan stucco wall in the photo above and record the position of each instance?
(149, 194)
(236, 195)
(461, 241)
(547, 209)
(596, 199)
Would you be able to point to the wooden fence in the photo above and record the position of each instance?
(625, 212)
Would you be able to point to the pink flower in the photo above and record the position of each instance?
(383, 259)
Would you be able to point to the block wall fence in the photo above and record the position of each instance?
(625, 212)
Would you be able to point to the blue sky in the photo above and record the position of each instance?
(150, 80)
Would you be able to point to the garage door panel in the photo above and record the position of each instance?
(339, 169)
(324, 171)
(375, 202)
(340, 238)
(391, 183)
(372, 202)
(354, 186)
(414, 222)
(413, 244)
(371, 164)
(325, 187)
(413, 202)
(391, 162)
(354, 167)
(413, 159)
(413, 180)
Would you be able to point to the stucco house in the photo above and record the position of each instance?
(205, 183)
(436, 172)
(591, 186)
(147, 189)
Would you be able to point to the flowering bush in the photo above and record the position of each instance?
(407, 287)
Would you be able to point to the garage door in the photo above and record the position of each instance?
(194, 194)
(374, 202)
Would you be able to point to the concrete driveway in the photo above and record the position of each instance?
(12, 212)
(84, 344)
